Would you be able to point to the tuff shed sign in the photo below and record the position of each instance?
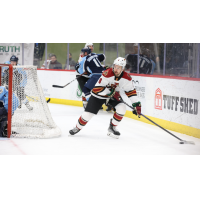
(158, 99)
(178, 104)
(181, 104)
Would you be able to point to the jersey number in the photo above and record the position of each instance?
(100, 80)
(97, 63)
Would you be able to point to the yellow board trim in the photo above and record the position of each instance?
(195, 132)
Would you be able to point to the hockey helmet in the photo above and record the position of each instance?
(88, 44)
(86, 49)
(14, 58)
(120, 61)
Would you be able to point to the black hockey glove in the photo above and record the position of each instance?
(137, 108)
(77, 67)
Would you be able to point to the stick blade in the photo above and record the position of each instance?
(187, 142)
(57, 86)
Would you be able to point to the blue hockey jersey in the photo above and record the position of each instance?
(92, 64)
(4, 99)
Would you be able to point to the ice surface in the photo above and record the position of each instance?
(136, 138)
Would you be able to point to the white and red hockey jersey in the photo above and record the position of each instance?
(108, 80)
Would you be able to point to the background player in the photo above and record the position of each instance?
(145, 64)
(4, 109)
(80, 70)
(92, 66)
(89, 45)
(19, 81)
(106, 90)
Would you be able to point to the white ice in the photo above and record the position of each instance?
(136, 138)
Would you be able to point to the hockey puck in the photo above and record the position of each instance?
(181, 142)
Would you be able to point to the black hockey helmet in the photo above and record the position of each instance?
(86, 49)
(14, 58)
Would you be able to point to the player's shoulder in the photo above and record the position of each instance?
(126, 76)
(108, 73)
(82, 60)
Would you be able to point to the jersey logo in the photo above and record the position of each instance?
(114, 85)
(1, 90)
(105, 73)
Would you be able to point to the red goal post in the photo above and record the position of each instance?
(9, 94)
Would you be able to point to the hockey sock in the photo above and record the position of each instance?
(83, 98)
(83, 120)
(116, 119)
(118, 115)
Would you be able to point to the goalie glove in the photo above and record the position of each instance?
(137, 108)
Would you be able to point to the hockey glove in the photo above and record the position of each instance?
(77, 67)
(112, 93)
(137, 108)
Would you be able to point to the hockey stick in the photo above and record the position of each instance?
(181, 141)
(59, 86)
(48, 100)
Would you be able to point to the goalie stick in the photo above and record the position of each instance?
(181, 141)
(59, 86)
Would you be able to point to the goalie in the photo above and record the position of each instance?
(19, 81)
(4, 109)
(106, 91)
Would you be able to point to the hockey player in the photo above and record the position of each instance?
(19, 81)
(4, 109)
(89, 45)
(80, 70)
(92, 65)
(106, 91)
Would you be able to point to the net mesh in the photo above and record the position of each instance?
(31, 117)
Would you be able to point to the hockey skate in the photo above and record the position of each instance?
(112, 131)
(109, 108)
(74, 131)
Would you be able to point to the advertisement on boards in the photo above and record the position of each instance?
(9, 49)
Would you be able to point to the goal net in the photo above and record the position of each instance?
(28, 112)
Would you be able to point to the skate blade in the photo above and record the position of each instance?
(112, 135)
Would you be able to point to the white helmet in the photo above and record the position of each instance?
(120, 61)
(88, 44)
